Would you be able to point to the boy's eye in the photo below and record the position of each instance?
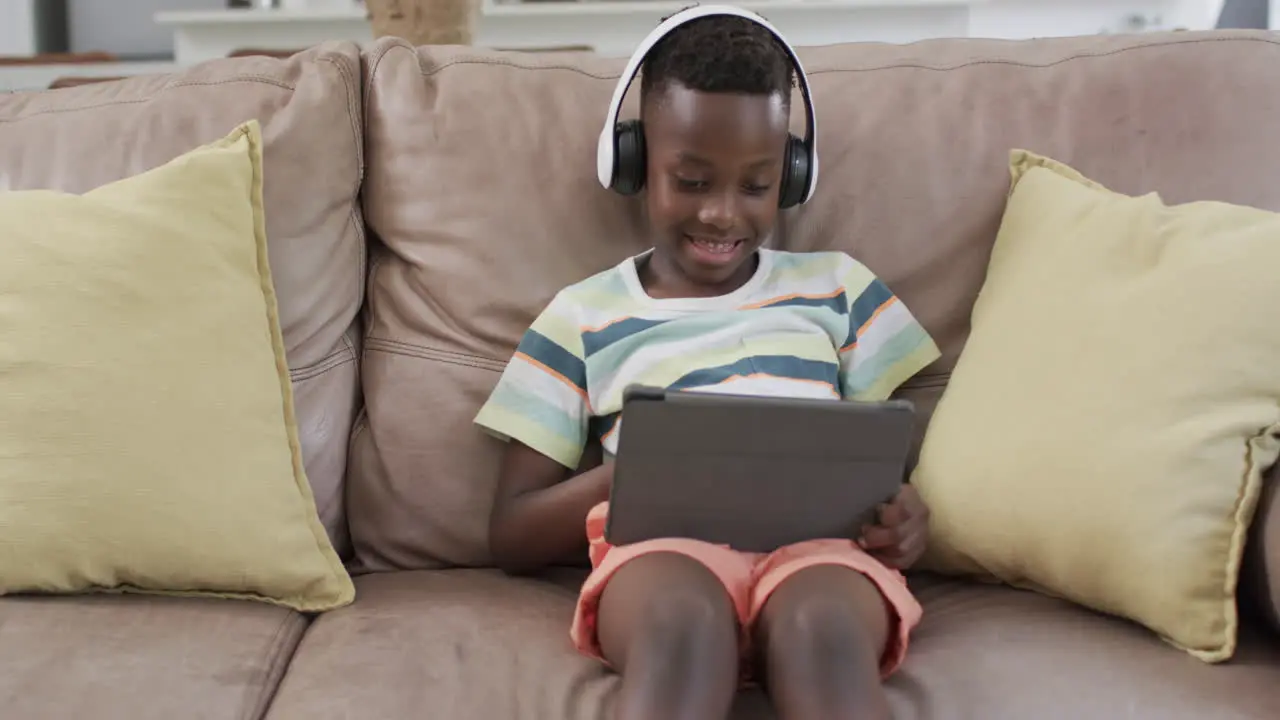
(690, 184)
(755, 189)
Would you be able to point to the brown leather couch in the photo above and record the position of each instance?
(424, 204)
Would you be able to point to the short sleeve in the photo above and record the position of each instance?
(885, 344)
(541, 397)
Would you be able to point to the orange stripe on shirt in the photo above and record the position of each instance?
(792, 296)
(883, 306)
(554, 374)
(598, 328)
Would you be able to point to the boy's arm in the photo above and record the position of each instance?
(885, 345)
(538, 515)
(540, 406)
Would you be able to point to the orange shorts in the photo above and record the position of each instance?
(749, 578)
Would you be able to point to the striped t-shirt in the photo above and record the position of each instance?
(805, 325)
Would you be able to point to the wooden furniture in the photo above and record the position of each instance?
(84, 58)
(264, 52)
(77, 80)
(550, 49)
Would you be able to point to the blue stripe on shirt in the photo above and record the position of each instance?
(593, 341)
(870, 300)
(779, 366)
(538, 347)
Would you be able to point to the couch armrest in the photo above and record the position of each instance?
(1260, 572)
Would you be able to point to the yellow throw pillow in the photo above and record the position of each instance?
(147, 435)
(1104, 432)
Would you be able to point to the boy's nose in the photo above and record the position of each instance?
(718, 211)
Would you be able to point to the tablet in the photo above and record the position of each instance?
(753, 473)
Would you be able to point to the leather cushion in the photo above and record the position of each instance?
(482, 189)
(477, 644)
(130, 657)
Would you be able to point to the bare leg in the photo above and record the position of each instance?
(669, 626)
(821, 636)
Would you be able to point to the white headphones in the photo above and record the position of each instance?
(620, 153)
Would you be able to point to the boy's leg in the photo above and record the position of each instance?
(830, 623)
(821, 635)
(669, 625)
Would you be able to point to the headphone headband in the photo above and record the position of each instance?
(606, 159)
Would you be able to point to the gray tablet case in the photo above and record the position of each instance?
(753, 473)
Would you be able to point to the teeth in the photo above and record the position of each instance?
(717, 247)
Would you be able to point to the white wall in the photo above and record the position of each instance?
(125, 27)
(17, 27)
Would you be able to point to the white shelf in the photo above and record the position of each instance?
(613, 28)
(536, 9)
(256, 17)
(663, 7)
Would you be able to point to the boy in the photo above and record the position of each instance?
(710, 309)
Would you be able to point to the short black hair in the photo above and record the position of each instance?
(720, 54)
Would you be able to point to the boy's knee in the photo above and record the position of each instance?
(689, 611)
(814, 619)
(827, 618)
(687, 605)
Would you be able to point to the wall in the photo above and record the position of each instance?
(125, 27)
(17, 24)
(28, 27)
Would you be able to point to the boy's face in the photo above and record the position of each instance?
(714, 166)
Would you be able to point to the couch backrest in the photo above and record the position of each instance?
(481, 188)
(309, 108)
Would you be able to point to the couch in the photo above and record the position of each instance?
(423, 204)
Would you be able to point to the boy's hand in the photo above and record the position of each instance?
(899, 539)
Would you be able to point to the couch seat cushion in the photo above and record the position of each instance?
(447, 644)
(473, 644)
(130, 657)
(993, 653)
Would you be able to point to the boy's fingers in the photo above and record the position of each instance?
(912, 546)
(879, 537)
(893, 513)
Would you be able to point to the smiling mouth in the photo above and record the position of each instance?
(715, 247)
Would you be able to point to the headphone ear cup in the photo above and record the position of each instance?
(629, 157)
(795, 173)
